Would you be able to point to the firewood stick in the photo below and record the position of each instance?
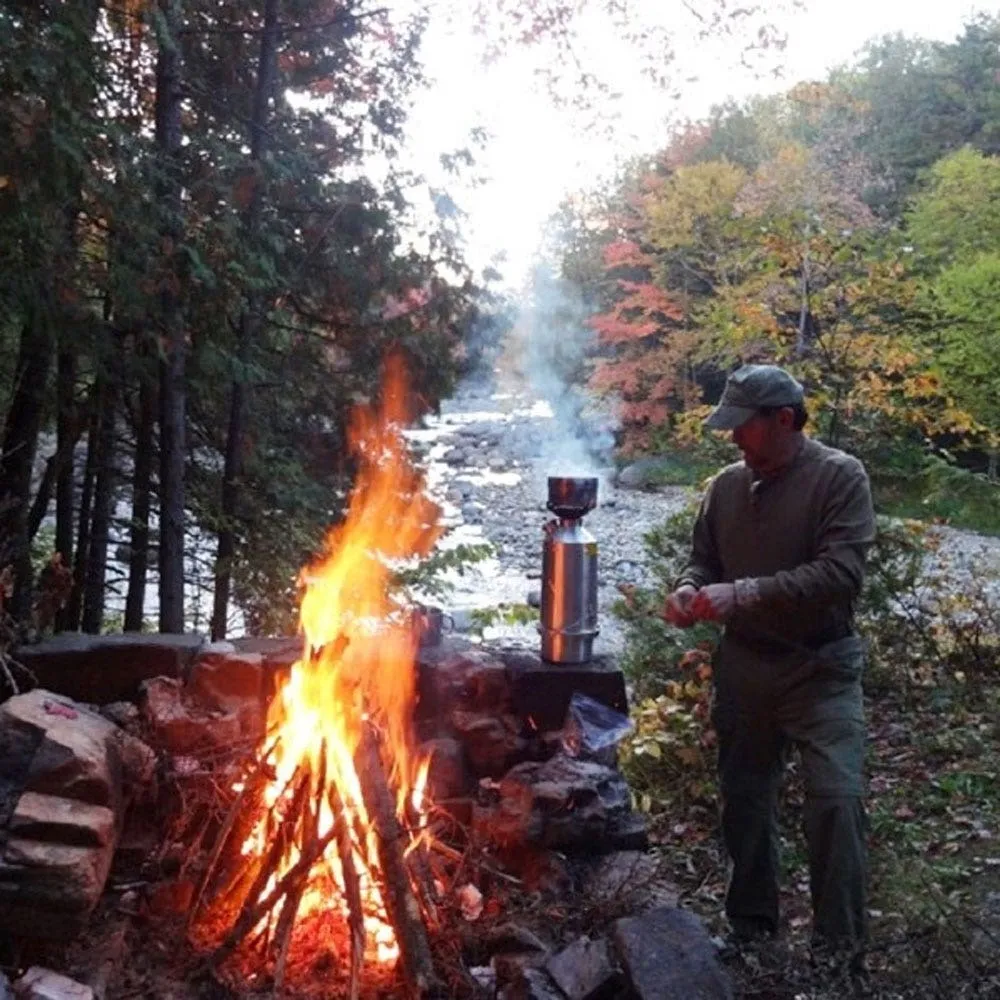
(293, 900)
(423, 883)
(237, 887)
(248, 918)
(352, 889)
(227, 828)
(420, 871)
(275, 896)
(400, 903)
(459, 858)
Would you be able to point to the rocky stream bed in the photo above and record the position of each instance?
(489, 452)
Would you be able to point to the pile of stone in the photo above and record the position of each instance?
(494, 722)
(78, 750)
(67, 776)
(661, 954)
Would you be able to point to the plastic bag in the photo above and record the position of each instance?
(591, 726)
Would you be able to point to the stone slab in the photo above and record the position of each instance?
(55, 820)
(99, 669)
(277, 653)
(541, 691)
(585, 970)
(44, 984)
(668, 955)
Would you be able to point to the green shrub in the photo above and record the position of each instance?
(669, 758)
(654, 648)
(929, 622)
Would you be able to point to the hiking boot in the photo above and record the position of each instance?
(840, 963)
(754, 943)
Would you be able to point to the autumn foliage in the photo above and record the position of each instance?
(766, 234)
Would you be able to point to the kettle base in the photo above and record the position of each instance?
(559, 648)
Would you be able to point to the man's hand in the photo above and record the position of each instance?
(714, 603)
(677, 610)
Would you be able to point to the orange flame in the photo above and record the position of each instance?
(358, 661)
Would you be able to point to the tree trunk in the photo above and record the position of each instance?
(246, 334)
(43, 496)
(92, 617)
(142, 477)
(58, 474)
(226, 548)
(802, 333)
(67, 435)
(171, 319)
(17, 455)
(74, 606)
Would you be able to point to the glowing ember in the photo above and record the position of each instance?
(357, 665)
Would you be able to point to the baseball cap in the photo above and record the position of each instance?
(750, 388)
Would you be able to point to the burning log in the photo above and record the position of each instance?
(286, 922)
(352, 889)
(401, 905)
(253, 909)
(305, 795)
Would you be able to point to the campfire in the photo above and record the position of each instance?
(327, 832)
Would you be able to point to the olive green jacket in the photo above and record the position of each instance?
(801, 535)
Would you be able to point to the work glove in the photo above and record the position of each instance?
(677, 609)
(714, 603)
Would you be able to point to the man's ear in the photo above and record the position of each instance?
(786, 418)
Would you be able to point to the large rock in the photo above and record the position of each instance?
(458, 675)
(631, 880)
(668, 955)
(585, 970)
(563, 803)
(492, 742)
(64, 787)
(44, 984)
(448, 774)
(643, 474)
(231, 682)
(99, 669)
(532, 984)
(70, 752)
(179, 725)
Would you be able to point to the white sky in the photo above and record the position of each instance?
(537, 154)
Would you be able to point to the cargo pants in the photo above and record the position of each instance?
(766, 701)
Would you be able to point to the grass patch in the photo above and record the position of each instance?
(940, 491)
(681, 469)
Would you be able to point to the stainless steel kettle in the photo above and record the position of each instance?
(569, 573)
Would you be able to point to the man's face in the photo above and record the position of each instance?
(762, 439)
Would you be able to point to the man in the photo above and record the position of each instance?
(777, 555)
